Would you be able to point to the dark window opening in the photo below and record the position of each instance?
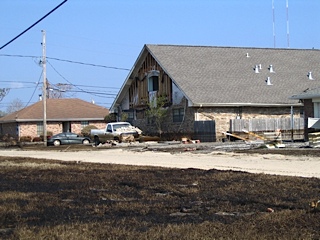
(178, 114)
(153, 83)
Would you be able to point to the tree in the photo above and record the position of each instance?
(2, 114)
(3, 92)
(15, 105)
(157, 112)
(111, 117)
(57, 90)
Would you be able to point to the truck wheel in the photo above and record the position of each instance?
(85, 142)
(96, 141)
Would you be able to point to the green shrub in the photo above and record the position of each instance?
(86, 130)
(112, 117)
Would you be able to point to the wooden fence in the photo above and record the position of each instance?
(289, 131)
(205, 131)
(314, 139)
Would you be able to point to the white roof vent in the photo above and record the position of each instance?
(271, 69)
(269, 81)
(310, 76)
(260, 66)
(247, 55)
(256, 69)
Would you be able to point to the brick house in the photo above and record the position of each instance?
(311, 108)
(211, 90)
(63, 115)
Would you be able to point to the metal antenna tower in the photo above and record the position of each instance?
(288, 41)
(274, 31)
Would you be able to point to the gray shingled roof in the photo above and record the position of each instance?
(225, 75)
(308, 94)
(66, 109)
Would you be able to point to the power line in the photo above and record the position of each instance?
(99, 93)
(19, 87)
(69, 61)
(18, 55)
(17, 82)
(34, 24)
(96, 93)
(98, 86)
(34, 89)
(80, 89)
(88, 64)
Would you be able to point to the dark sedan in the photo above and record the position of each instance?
(67, 138)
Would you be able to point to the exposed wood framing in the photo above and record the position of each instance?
(138, 91)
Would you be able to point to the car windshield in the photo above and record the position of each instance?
(122, 125)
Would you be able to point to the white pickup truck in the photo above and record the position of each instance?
(115, 131)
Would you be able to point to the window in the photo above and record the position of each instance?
(40, 128)
(153, 83)
(109, 129)
(178, 114)
(130, 116)
(316, 109)
(84, 124)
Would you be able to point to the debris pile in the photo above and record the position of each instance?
(269, 139)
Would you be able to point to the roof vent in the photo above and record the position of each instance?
(271, 69)
(256, 69)
(260, 66)
(310, 76)
(269, 81)
(247, 55)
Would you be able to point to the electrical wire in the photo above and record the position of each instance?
(97, 86)
(15, 82)
(64, 60)
(34, 24)
(88, 64)
(34, 89)
(81, 90)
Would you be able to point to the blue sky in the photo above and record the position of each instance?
(112, 33)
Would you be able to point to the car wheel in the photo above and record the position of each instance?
(85, 141)
(56, 143)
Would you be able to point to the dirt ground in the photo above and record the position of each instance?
(296, 159)
(205, 191)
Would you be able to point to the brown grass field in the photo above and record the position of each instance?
(42, 199)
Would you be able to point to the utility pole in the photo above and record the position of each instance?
(44, 90)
